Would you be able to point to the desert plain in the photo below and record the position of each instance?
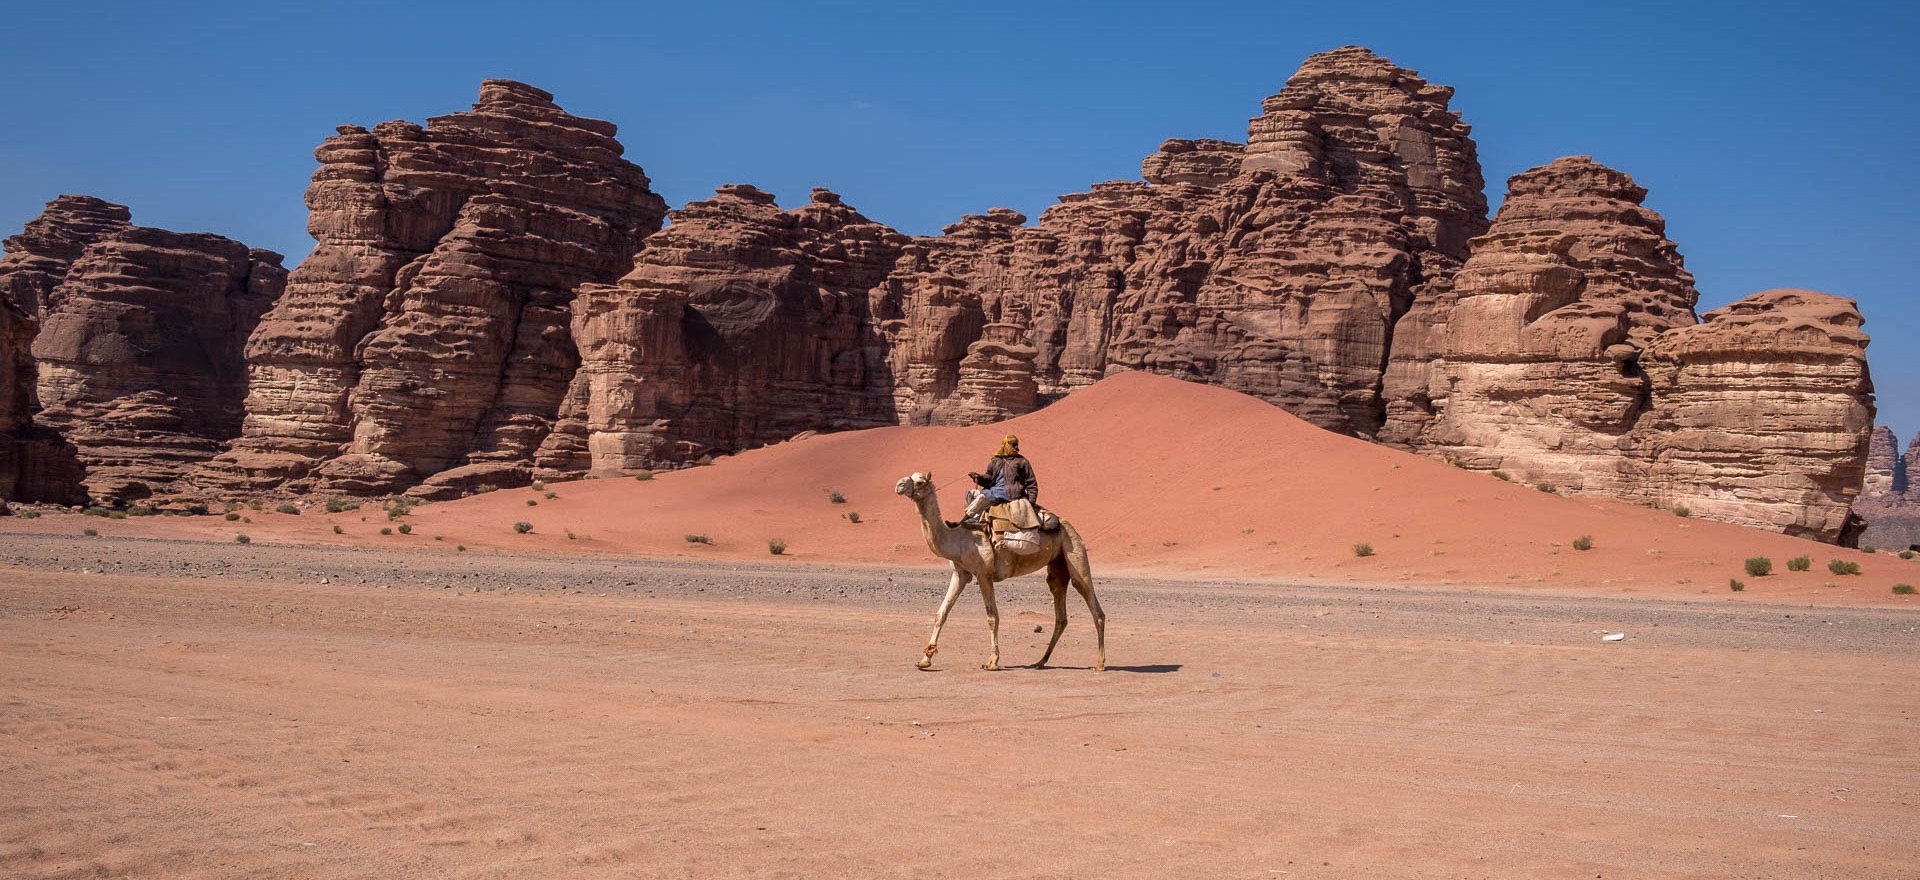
(600, 697)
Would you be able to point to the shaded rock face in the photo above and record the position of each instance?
(139, 354)
(123, 352)
(428, 331)
(740, 324)
(1277, 268)
(1889, 503)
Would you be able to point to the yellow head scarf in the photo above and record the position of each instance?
(1009, 447)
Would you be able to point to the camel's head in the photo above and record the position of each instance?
(915, 487)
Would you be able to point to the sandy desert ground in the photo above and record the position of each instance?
(601, 698)
(172, 708)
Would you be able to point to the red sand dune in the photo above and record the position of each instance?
(1161, 476)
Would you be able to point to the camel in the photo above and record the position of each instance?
(974, 558)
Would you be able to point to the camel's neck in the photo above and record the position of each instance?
(931, 525)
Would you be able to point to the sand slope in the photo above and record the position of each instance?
(1161, 476)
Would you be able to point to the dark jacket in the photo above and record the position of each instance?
(1019, 473)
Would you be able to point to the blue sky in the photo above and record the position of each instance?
(1778, 139)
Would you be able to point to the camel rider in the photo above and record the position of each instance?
(1009, 475)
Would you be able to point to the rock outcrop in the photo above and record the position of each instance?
(1760, 415)
(427, 333)
(139, 354)
(1889, 502)
(1531, 363)
(39, 257)
(123, 352)
(740, 324)
(1568, 354)
(492, 301)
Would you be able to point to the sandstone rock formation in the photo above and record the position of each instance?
(1568, 354)
(1532, 359)
(123, 368)
(1889, 502)
(491, 301)
(739, 325)
(427, 333)
(1760, 415)
(1323, 266)
(139, 353)
(39, 257)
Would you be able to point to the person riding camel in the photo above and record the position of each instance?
(1009, 476)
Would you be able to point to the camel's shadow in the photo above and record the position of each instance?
(1149, 669)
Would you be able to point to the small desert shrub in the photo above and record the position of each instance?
(1548, 488)
(836, 498)
(1502, 475)
(1683, 510)
(341, 505)
(1735, 584)
(703, 461)
(643, 476)
(339, 531)
(537, 486)
(460, 548)
(699, 539)
(570, 535)
(139, 510)
(1843, 566)
(386, 530)
(1868, 548)
(1908, 554)
(523, 527)
(776, 546)
(198, 510)
(1800, 563)
(853, 516)
(483, 489)
(1584, 542)
(242, 539)
(1363, 549)
(406, 528)
(29, 514)
(552, 495)
(255, 504)
(532, 503)
(399, 508)
(1457, 463)
(116, 514)
(95, 511)
(1759, 566)
(1903, 589)
(91, 533)
(286, 507)
(232, 516)
(246, 519)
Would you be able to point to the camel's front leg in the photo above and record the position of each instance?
(993, 624)
(954, 586)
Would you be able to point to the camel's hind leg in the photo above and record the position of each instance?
(1082, 573)
(954, 586)
(1057, 579)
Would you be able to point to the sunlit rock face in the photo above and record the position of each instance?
(428, 331)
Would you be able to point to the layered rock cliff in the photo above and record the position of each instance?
(427, 332)
(486, 306)
(123, 368)
(1568, 354)
(741, 324)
